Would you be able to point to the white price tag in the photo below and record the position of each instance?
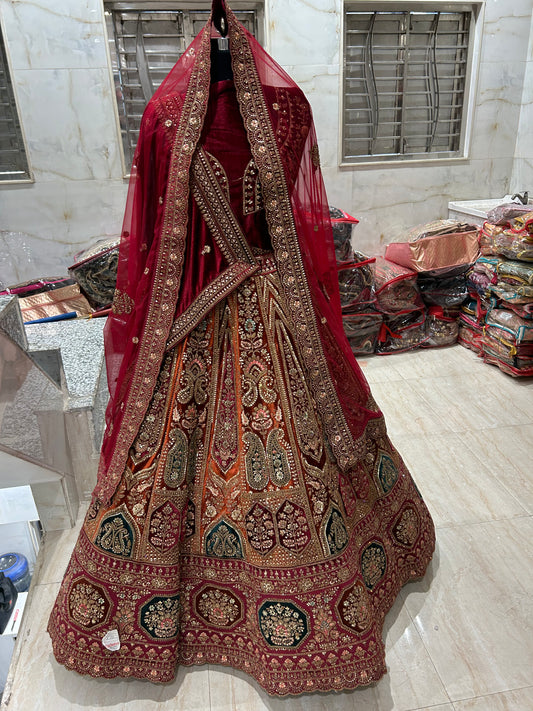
(111, 641)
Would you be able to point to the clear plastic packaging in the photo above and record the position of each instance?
(403, 332)
(356, 283)
(362, 330)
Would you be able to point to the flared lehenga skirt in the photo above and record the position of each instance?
(233, 537)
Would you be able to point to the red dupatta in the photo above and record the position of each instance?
(155, 239)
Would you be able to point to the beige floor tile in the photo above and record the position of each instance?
(406, 411)
(517, 392)
(516, 700)
(466, 402)
(44, 685)
(434, 362)
(474, 610)
(379, 370)
(57, 549)
(457, 485)
(411, 681)
(507, 452)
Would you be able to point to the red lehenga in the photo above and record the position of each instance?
(250, 509)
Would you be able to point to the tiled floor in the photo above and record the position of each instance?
(460, 640)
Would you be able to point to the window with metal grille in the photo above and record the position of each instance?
(146, 39)
(407, 75)
(13, 161)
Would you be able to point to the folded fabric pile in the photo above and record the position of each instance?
(361, 319)
(500, 324)
(399, 300)
(416, 292)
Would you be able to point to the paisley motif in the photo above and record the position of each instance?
(257, 474)
(176, 464)
(223, 541)
(116, 534)
(387, 473)
(277, 461)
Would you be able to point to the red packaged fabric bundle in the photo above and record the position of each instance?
(436, 252)
(508, 342)
(342, 224)
(442, 327)
(356, 284)
(403, 332)
(362, 330)
(395, 287)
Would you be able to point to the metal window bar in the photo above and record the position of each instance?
(145, 43)
(404, 83)
(13, 160)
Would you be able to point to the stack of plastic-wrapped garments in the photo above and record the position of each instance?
(361, 319)
(435, 258)
(502, 283)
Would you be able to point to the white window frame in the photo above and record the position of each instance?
(476, 8)
(26, 175)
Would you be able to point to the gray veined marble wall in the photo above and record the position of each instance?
(65, 97)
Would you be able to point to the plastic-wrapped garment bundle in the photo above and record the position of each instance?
(362, 330)
(508, 342)
(430, 229)
(503, 214)
(356, 283)
(37, 286)
(436, 252)
(471, 321)
(483, 274)
(442, 327)
(515, 273)
(514, 283)
(524, 222)
(443, 291)
(523, 310)
(95, 270)
(509, 326)
(470, 333)
(395, 287)
(487, 237)
(342, 224)
(402, 332)
(514, 244)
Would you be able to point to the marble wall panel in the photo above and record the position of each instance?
(498, 107)
(63, 34)
(505, 35)
(70, 123)
(52, 221)
(304, 32)
(522, 178)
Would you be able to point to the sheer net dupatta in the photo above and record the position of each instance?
(278, 122)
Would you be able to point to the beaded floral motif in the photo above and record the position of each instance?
(373, 564)
(122, 303)
(165, 526)
(218, 607)
(407, 527)
(88, 603)
(355, 609)
(159, 617)
(282, 624)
